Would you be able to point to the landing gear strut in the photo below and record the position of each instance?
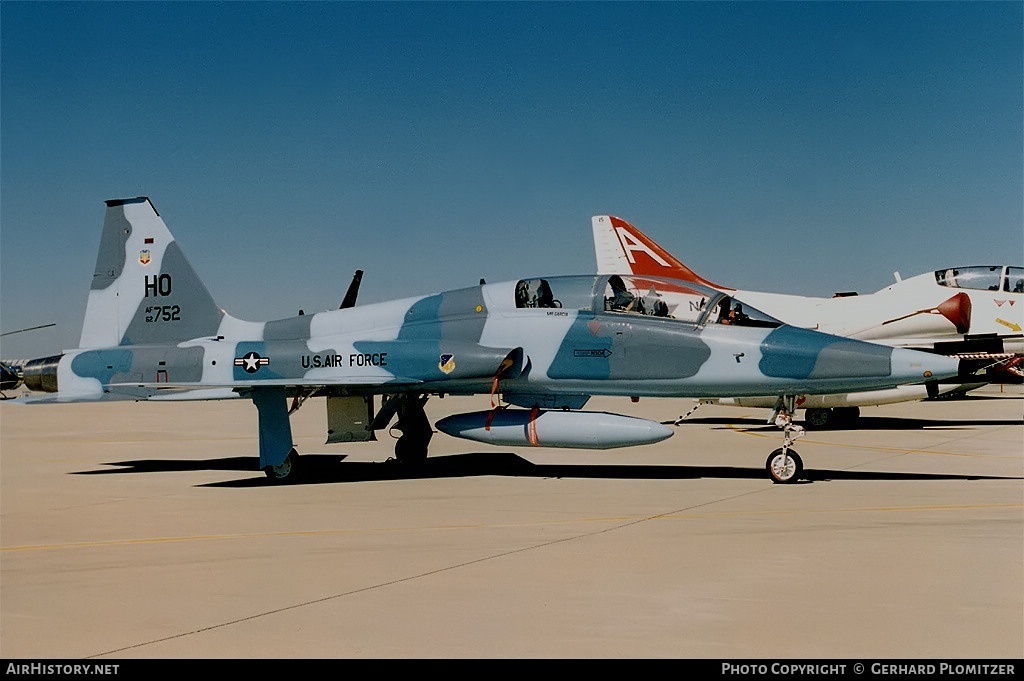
(784, 465)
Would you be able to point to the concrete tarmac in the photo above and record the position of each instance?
(144, 530)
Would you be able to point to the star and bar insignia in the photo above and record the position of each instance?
(251, 362)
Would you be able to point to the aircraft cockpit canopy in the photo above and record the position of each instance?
(639, 295)
(727, 310)
(983, 278)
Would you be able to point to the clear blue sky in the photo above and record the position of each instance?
(431, 144)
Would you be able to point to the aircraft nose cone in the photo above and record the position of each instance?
(958, 310)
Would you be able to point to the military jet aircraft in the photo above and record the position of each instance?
(974, 313)
(540, 346)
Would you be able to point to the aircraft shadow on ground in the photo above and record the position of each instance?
(319, 469)
(863, 423)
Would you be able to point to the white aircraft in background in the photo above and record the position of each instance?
(975, 313)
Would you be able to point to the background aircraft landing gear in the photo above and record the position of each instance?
(288, 469)
(836, 417)
(848, 416)
(784, 466)
(416, 431)
(818, 418)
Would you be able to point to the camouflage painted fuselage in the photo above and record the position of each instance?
(151, 328)
(153, 332)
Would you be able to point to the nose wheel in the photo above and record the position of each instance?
(784, 465)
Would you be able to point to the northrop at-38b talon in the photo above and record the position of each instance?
(539, 348)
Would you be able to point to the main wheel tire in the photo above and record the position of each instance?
(288, 469)
(784, 467)
(819, 417)
(410, 449)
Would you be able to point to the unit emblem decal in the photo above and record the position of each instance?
(447, 363)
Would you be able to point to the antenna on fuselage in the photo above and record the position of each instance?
(353, 290)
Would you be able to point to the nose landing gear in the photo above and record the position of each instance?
(784, 465)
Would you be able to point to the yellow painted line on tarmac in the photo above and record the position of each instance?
(303, 533)
(669, 515)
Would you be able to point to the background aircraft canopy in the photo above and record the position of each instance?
(982, 278)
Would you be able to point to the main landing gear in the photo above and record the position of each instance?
(416, 431)
(279, 459)
(784, 465)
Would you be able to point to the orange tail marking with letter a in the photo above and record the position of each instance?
(647, 257)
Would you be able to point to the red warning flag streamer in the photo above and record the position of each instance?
(531, 429)
(494, 391)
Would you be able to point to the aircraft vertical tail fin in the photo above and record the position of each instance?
(144, 290)
(620, 248)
